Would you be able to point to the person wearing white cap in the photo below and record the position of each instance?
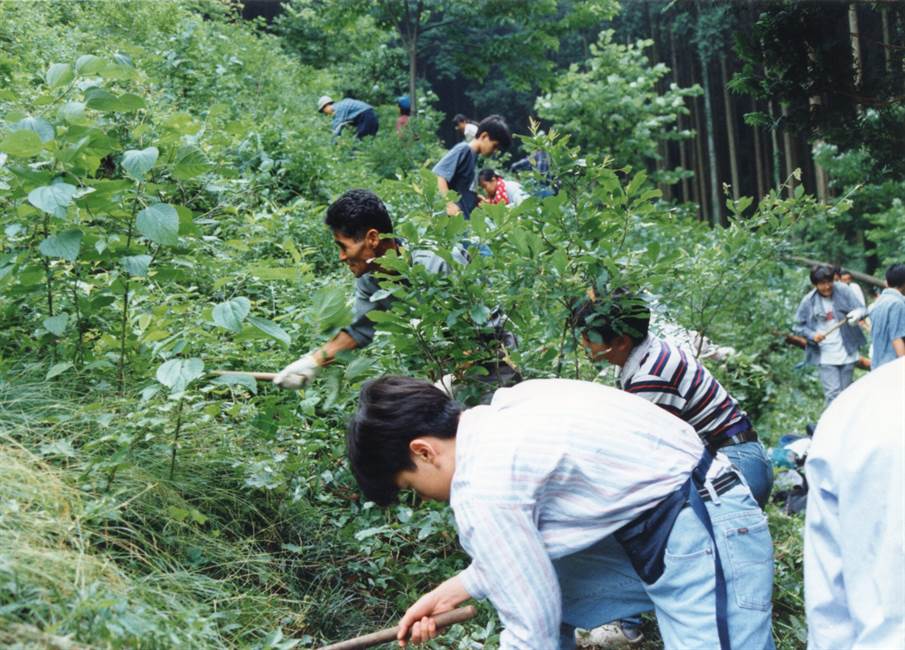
(352, 112)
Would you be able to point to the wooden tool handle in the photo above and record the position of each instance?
(260, 376)
(384, 636)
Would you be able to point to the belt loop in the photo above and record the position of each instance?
(714, 496)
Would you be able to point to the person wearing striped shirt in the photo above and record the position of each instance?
(614, 328)
(543, 481)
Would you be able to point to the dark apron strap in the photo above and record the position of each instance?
(700, 509)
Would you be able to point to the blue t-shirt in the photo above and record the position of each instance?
(887, 323)
(458, 168)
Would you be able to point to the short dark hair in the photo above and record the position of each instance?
(393, 411)
(487, 175)
(497, 129)
(606, 317)
(895, 276)
(844, 272)
(356, 212)
(821, 273)
(459, 118)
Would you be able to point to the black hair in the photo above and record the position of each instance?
(497, 129)
(606, 317)
(844, 272)
(393, 411)
(821, 273)
(405, 111)
(486, 175)
(459, 118)
(895, 276)
(356, 212)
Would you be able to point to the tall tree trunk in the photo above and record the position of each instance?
(774, 140)
(730, 129)
(683, 157)
(855, 34)
(700, 189)
(788, 147)
(758, 156)
(662, 160)
(887, 40)
(815, 103)
(413, 73)
(716, 211)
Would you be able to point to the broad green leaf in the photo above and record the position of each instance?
(128, 103)
(271, 329)
(37, 124)
(58, 369)
(137, 162)
(53, 199)
(73, 112)
(21, 144)
(65, 244)
(231, 313)
(480, 314)
(101, 99)
(159, 223)
(189, 162)
(136, 265)
(238, 379)
(56, 325)
(177, 374)
(88, 64)
(58, 74)
(329, 308)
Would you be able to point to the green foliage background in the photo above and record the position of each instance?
(163, 179)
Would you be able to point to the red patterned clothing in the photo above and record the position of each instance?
(500, 195)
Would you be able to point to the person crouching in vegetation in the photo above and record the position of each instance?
(465, 127)
(349, 112)
(456, 170)
(361, 225)
(497, 190)
(546, 483)
(614, 328)
(405, 112)
(888, 319)
(833, 349)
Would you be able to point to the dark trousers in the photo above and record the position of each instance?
(366, 124)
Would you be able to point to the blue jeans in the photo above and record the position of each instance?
(835, 379)
(750, 458)
(599, 585)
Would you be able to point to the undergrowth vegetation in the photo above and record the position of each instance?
(163, 179)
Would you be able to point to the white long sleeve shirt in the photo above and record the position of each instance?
(546, 470)
(854, 543)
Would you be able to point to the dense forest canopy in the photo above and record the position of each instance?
(164, 174)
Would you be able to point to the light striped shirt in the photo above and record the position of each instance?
(674, 380)
(550, 467)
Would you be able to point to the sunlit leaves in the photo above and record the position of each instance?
(88, 64)
(231, 313)
(189, 162)
(136, 265)
(53, 199)
(177, 374)
(159, 223)
(39, 125)
(21, 144)
(138, 162)
(271, 329)
(56, 325)
(59, 74)
(65, 245)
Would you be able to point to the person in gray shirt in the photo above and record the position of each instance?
(360, 224)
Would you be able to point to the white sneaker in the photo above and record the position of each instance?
(609, 637)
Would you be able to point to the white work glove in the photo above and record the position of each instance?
(298, 373)
(445, 383)
(855, 315)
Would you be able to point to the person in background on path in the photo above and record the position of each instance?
(554, 486)
(465, 127)
(405, 111)
(456, 170)
(347, 112)
(497, 190)
(888, 319)
(854, 538)
(846, 277)
(360, 224)
(538, 161)
(834, 352)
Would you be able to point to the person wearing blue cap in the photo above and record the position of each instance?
(405, 111)
(349, 111)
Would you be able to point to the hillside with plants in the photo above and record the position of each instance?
(163, 182)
